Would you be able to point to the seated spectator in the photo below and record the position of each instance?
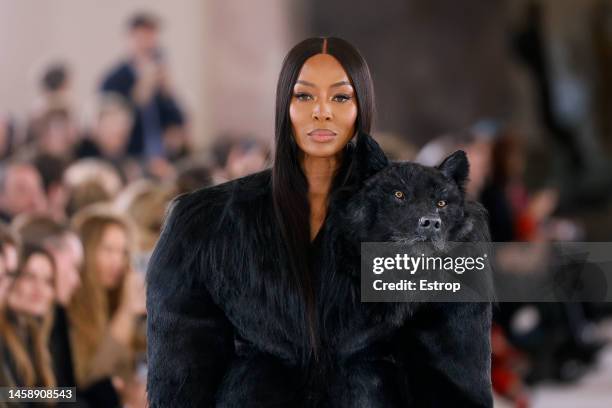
(56, 134)
(67, 252)
(92, 169)
(238, 156)
(106, 312)
(52, 169)
(192, 175)
(5, 377)
(21, 190)
(55, 95)
(86, 194)
(8, 252)
(177, 144)
(7, 137)
(90, 181)
(145, 203)
(111, 132)
(8, 270)
(25, 322)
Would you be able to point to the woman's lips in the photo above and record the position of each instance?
(322, 135)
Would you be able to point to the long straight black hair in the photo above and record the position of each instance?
(289, 184)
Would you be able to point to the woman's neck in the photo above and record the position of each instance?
(319, 172)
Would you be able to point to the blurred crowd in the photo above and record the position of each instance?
(81, 208)
(532, 343)
(82, 205)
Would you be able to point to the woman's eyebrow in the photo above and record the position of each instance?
(341, 83)
(299, 81)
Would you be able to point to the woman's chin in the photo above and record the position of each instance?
(322, 150)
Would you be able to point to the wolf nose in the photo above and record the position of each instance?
(431, 223)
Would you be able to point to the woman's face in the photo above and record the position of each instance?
(4, 279)
(112, 256)
(33, 290)
(8, 269)
(323, 107)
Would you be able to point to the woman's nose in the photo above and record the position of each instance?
(321, 112)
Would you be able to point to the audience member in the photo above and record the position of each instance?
(52, 170)
(145, 204)
(143, 80)
(21, 190)
(192, 175)
(25, 322)
(90, 181)
(7, 137)
(56, 134)
(111, 131)
(106, 311)
(237, 156)
(9, 254)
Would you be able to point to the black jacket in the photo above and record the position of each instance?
(225, 327)
(99, 394)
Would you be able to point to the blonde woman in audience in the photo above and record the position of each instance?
(8, 267)
(145, 202)
(26, 321)
(106, 310)
(87, 170)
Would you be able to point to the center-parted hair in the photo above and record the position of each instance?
(289, 184)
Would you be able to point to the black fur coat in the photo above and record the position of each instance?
(225, 327)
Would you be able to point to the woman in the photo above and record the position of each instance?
(144, 202)
(26, 321)
(234, 289)
(105, 311)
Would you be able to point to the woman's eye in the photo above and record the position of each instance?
(341, 98)
(399, 195)
(441, 203)
(303, 96)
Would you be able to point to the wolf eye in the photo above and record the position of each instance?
(441, 203)
(399, 195)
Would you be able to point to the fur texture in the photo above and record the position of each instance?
(429, 354)
(225, 325)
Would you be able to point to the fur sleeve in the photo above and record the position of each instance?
(446, 352)
(190, 341)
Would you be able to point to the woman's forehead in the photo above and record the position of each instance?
(322, 70)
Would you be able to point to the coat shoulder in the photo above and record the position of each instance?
(210, 206)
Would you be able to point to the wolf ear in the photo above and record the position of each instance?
(456, 167)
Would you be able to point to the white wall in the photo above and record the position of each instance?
(224, 55)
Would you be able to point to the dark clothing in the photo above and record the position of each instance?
(226, 326)
(6, 376)
(100, 394)
(501, 216)
(149, 121)
(5, 217)
(87, 148)
(9, 375)
(59, 347)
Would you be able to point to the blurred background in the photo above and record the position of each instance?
(110, 109)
